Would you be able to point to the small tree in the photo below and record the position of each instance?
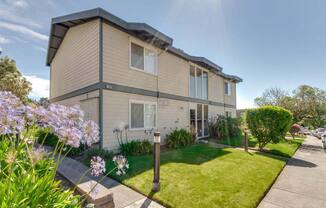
(295, 128)
(269, 124)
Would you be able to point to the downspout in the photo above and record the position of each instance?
(101, 82)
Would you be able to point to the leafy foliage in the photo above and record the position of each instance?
(308, 104)
(12, 80)
(136, 147)
(294, 129)
(179, 138)
(224, 127)
(269, 124)
(27, 178)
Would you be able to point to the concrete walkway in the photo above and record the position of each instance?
(123, 196)
(302, 183)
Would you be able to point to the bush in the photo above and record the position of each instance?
(27, 178)
(295, 128)
(136, 147)
(269, 124)
(105, 154)
(179, 138)
(234, 126)
(224, 127)
(45, 137)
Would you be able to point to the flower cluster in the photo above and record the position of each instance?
(91, 133)
(65, 122)
(11, 114)
(121, 163)
(97, 166)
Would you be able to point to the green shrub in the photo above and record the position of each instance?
(223, 127)
(234, 126)
(27, 179)
(179, 138)
(46, 138)
(136, 147)
(269, 124)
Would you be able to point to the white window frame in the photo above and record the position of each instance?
(229, 87)
(145, 48)
(142, 102)
(202, 79)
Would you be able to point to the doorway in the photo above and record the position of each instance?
(199, 119)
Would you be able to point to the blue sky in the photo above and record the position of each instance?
(268, 43)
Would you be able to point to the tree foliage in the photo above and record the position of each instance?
(308, 104)
(269, 124)
(295, 128)
(12, 80)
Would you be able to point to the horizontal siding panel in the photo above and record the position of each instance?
(76, 63)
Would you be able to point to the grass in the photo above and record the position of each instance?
(203, 176)
(285, 147)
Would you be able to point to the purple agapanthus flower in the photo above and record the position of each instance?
(97, 166)
(11, 114)
(91, 133)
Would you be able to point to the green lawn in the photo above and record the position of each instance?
(285, 147)
(203, 176)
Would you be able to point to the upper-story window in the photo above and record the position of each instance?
(227, 88)
(198, 85)
(143, 58)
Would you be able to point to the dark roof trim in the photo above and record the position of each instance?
(60, 26)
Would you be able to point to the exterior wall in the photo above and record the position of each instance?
(87, 102)
(116, 61)
(171, 114)
(76, 64)
(233, 97)
(173, 74)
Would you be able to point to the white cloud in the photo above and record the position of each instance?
(4, 40)
(40, 86)
(24, 30)
(18, 3)
(9, 15)
(40, 48)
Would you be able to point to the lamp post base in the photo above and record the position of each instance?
(156, 186)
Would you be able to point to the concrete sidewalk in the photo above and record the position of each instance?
(302, 183)
(123, 196)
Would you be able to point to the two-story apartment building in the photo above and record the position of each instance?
(129, 73)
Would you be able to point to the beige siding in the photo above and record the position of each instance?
(231, 99)
(173, 74)
(215, 88)
(214, 111)
(87, 102)
(171, 114)
(116, 61)
(76, 63)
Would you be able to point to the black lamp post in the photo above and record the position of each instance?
(246, 140)
(157, 146)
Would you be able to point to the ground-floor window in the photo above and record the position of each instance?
(142, 114)
(199, 119)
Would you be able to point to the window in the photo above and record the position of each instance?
(192, 80)
(142, 115)
(198, 83)
(227, 88)
(228, 114)
(142, 58)
(205, 85)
